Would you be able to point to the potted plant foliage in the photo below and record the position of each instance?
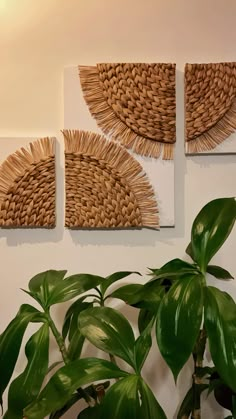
(177, 303)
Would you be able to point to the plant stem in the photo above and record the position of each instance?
(63, 351)
(58, 338)
(198, 355)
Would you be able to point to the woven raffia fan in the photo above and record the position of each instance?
(210, 102)
(133, 103)
(105, 186)
(27, 186)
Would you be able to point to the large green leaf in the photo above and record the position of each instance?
(188, 403)
(108, 330)
(143, 345)
(75, 347)
(218, 272)
(150, 408)
(174, 269)
(179, 320)
(142, 296)
(109, 280)
(66, 381)
(144, 318)
(25, 388)
(71, 317)
(42, 285)
(131, 398)
(72, 287)
(10, 342)
(220, 323)
(211, 228)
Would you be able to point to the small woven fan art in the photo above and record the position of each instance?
(105, 186)
(27, 186)
(134, 104)
(210, 105)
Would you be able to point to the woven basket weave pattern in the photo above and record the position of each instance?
(30, 201)
(96, 196)
(210, 91)
(133, 103)
(105, 186)
(143, 97)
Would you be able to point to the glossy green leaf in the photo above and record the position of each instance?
(72, 287)
(127, 293)
(60, 413)
(91, 413)
(75, 347)
(142, 346)
(174, 269)
(70, 325)
(220, 323)
(67, 380)
(25, 388)
(189, 251)
(211, 228)
(218, 272)
(108, 330)
(117, 276)
(179, 320)
(142, 296)
(188, 403)
(122, 399)
(131, 398)
(42, 285)
(150, 408)
(10, 342)
(144, 318)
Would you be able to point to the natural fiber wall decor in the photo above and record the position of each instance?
(133, 103)
(105, 186)
(27, 186)
(210, 105)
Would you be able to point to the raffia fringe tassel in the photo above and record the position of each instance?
(27, 186)
(216, 135)
(110, 123)
(105, 186)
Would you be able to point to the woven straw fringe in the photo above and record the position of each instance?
(27, 186)
(105, 186)
(117, 121)
(210, 94)
(216, 135)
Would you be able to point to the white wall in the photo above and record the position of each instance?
(39, 38)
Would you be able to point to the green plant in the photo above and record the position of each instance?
(176, 302)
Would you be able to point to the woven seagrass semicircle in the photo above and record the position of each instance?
(134, 103)
(210, 102)
(27, 186)
(105, 186)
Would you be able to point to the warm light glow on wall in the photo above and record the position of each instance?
(2, 4)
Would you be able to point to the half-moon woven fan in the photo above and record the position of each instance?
(27, 186)
(210, 102)
(105, 186)
(133, 103)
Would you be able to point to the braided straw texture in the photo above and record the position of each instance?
(210, 104)
(27, 186)
(105, 186)
(134, 103)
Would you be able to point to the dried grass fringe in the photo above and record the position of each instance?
(216, 135)
(110, 124)
(18, 163)
(115, 156)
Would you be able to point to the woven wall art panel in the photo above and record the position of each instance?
(210, 105)
(27, 186)
(105, 186)
(134, 104)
